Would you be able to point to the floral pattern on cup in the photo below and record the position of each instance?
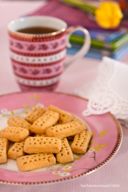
(37, 71)
(43, 47)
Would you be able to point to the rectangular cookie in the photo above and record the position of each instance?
(16, 150)
(65, 155)
(48, 119)
(64, 115)
(35, 161)
(81, 142)
(65, 130)
(34, 114)
(17, 121)
(15, 134)
(3, 150)
(40, 144)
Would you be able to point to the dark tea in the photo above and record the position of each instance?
(37, 30)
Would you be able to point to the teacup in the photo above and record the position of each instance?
(38, 56)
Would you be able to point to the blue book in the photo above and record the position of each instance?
(103, 36)
(110, 46)
(98, 53)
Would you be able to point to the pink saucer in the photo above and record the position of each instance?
(107, 135)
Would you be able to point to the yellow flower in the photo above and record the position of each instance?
(108, 15)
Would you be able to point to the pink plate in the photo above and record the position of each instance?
(106, 140)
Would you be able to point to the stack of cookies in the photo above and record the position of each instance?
(46, 136)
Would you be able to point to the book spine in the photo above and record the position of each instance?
(93, 53)
(80, 40)
(98, 54)
(100, 45)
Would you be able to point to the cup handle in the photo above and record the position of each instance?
(84, 49)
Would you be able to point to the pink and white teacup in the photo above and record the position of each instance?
(38, 60)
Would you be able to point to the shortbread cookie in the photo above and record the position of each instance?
(42, 145)
(36, 161)
(40, 135)
(34, 114)
(81, 142)
(17, 121)
(64, 116)
(65, 155)
(65, 130)
(48, 119)
(82, 122)
(15, 134)
(3, 150)
(16, 150)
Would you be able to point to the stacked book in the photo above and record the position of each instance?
(111, 44)
(104, 42)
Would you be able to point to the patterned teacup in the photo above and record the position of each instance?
(38, 60)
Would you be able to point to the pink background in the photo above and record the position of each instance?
(116, 171)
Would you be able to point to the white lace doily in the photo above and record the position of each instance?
(109, 93)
